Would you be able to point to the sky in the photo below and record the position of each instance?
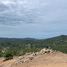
(33, 18)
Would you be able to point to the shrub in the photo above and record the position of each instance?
(8, 55)
(1, 53)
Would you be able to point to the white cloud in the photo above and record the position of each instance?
(37, 17)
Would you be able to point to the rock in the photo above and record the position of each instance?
(44, 51)
(31, 58)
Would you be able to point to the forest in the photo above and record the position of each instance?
(20, 46)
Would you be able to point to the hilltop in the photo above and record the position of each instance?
(38, 59)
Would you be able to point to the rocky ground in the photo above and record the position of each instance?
(44, 58)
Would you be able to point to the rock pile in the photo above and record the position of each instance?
(30, 56)
(46, 51)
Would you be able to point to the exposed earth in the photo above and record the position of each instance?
(54, 59)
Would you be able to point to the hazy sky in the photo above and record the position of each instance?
(33, 18)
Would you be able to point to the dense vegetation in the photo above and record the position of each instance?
(21, 46)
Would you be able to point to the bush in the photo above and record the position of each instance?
(8, 55)
(1, 53)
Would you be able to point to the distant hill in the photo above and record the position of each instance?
(30, 44)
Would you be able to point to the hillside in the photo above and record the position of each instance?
(53, 59)
(19, 46)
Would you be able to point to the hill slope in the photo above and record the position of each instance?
(45, 60)
(21, 46)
